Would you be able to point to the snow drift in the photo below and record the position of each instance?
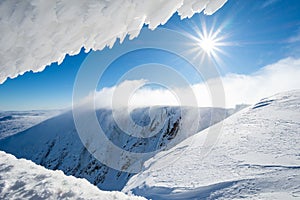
(22, 179)
(256, 157)
(37, 33)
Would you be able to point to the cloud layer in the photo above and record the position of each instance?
(36, 33)
(248, 89)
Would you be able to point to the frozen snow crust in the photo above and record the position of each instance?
(22, 179)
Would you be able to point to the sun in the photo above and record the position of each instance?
(208, 45)
(208, 42)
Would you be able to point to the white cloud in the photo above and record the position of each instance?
(278, 77)
(268, 3)
(271, 79)
(295, 38)
(36, 33)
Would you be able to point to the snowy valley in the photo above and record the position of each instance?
(256, 154)
(55, 143)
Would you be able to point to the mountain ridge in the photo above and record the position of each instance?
(55, 143)
(256, 156)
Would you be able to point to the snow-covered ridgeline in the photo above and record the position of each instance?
(37, 33)
(22, 179)
(55, 143)
(12, 122)
(256, 157)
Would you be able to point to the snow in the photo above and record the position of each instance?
(22, 179)
(36, 33)
(55, 143)
(256, 157)
(12, 122)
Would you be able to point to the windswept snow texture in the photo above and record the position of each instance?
(22, 179)
(55, 143)
(12, 122)
(36, 33)
(256, 157)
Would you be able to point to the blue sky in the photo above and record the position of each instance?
(259, 33)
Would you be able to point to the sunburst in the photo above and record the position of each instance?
(207, 42)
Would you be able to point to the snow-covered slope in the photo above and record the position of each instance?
(12, 122)
(22, 179)
(257, 156)
(55, 143)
